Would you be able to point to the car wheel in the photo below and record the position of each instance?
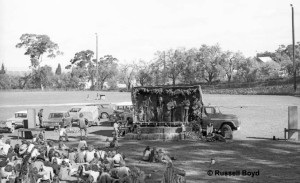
(104, 115)
(225, 130)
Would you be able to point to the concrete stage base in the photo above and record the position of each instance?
(156, 133)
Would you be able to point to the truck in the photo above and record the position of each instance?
(174, 105)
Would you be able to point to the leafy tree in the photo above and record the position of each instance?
(58, 70)
(85, 66)
(38, 45)
(210, 57)
(174, 64)
(248, 70)
(2, 71)
(127, 74)
(284, 56)
(107, 69)
(270, 70)
(229, 61)
(143, 75)
(42, 77)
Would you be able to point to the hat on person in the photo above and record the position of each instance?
(81, 115)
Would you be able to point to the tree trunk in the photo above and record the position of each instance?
(229, 78)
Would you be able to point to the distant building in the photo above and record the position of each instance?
(265, 59)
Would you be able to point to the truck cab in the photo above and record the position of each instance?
(224, 123)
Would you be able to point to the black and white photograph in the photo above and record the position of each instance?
(149, 91)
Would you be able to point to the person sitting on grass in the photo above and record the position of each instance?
(146, 154)
(80, 156)
(173, 174)
(64, 173)
(101, 153)
(162, 157)
(94, 172)
(89, 155)
(72, 155)
(153, 155)
(82, 143)
(62, 132)
(117, 158)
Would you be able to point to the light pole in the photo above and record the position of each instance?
(293, 36)
(97, 84)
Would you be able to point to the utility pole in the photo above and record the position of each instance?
(294, 65)
(97, 83)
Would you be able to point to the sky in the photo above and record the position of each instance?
(131, 30)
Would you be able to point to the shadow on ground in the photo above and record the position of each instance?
(271, 161)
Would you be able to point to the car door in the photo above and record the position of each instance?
(206, 116)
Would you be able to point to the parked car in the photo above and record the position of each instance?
(7, 125)
(74, 113)
(104, 110)
(56, 118)
(19, 117)
(124, 112)
(89, 112)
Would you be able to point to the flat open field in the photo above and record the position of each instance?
(262, 116)
(251, 150)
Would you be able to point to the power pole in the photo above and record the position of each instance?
(97, 83)
(294, 65)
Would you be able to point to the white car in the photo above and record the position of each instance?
(89, 112)
(19, 117)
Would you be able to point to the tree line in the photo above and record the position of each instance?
(208, 63)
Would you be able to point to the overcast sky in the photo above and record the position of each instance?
(134, 29)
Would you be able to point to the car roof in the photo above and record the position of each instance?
(21, 112)
(57, 112)
(94, 104)
(78, 106)
(124, 103)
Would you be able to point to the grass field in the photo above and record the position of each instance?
(262, 116)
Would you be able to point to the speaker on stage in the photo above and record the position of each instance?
(27, 134)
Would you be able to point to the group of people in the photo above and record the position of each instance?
(41, 161)
(166, 109)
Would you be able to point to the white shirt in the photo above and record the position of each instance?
(4, 173)
(116, 126)
(94, 174)
(30, 147)
(117, 158)
(89, 155)
(101, 154)
(62, 132)
(35, 153)
(48, 173)
(5, 148)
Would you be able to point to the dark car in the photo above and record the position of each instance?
(221, 122)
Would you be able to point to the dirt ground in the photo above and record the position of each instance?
(269, 160)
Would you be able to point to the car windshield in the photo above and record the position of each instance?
(21, 115)
(75, 109)
(105, 106)
(56, 115)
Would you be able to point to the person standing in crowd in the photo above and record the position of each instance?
(82, 125)
(40, 115)
(116, 128)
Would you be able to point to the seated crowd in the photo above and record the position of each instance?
(41, 161)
